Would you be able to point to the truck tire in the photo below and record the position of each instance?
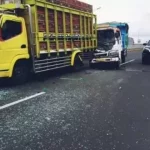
(77, 63)
(20, 74)
(123, 58)
(117, 65)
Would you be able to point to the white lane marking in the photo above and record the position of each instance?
(21, 100)
(71, 79)
(127, 62)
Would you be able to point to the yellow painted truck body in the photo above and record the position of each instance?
(37, 35)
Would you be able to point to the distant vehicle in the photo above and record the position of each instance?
(146, 53)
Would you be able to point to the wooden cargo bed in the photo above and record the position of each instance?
(60, 28)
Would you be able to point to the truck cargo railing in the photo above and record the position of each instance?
(72, 24)
(58, 27)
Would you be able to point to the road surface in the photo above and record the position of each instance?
(87, 110)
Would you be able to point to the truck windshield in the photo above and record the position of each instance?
(106, 39)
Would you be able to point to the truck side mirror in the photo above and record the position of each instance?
(144, 44)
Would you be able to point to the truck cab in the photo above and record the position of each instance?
(109, 47)
(124, 29)
(13, 42)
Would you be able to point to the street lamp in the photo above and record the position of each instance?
(97, 8)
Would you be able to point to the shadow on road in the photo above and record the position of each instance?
(105, 67)
(40, 77)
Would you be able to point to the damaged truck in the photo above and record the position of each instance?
(112, 45)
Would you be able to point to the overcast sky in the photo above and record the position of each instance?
(134, 12)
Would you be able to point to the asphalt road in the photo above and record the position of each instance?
(87, 110)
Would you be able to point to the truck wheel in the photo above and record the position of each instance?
(77, 63)
(117, 65)
(123, 59)
(20, 74)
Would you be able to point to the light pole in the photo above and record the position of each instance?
(97, 9)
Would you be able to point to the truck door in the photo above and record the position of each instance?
(13, 40)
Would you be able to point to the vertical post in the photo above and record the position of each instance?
(88, 32)
(81, 32)
(47, 28)
(71, 22)
(95, 32)
(93, 24)
(85, 32)
(56, 31)
(64, 28)
(36, 32)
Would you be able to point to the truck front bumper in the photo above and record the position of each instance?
(4, 70)
(104, 60)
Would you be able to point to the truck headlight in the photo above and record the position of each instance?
(114, 53)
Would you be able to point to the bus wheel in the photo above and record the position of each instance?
(20, 74)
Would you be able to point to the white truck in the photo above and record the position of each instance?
(109, 47)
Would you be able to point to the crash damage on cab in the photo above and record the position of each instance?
(108, 47)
